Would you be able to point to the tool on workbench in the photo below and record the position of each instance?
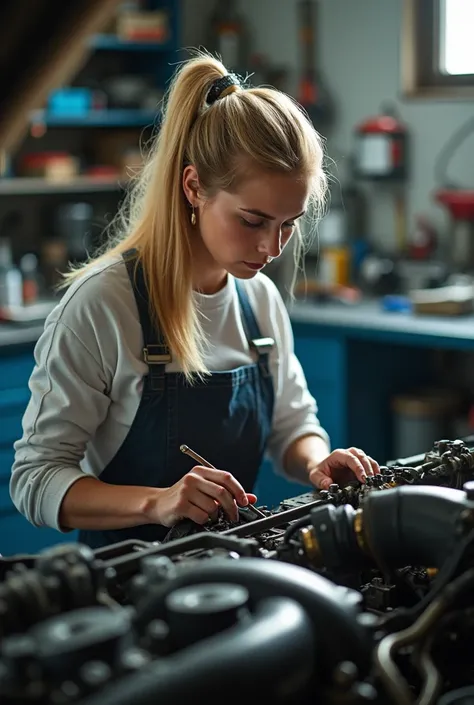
(206, 464)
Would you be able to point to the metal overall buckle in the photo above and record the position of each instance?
(262, 345)
(156, 355)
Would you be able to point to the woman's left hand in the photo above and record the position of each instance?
(341, 466)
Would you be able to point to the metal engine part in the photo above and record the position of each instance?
(362, 594)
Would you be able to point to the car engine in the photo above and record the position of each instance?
(360, 594)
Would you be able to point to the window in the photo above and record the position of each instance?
(437, 48)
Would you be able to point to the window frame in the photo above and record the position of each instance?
(420, 52)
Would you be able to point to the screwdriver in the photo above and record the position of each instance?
(206, 464)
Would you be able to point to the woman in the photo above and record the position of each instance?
(173, 336)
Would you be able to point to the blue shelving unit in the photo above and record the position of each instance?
(98, 118)
(107, 42)
(153, 59)
(161, 64)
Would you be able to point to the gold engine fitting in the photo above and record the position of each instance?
(359, 530)
(311, 545)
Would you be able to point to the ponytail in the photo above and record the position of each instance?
(211, 137)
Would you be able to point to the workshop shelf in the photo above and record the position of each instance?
(81, 184)
(97, 118)
(109, 42)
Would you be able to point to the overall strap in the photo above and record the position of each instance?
(156, 353)
(262, 346)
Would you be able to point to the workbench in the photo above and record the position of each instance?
(355, 357)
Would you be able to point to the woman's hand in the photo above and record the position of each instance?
(341, 466)
(197, 496)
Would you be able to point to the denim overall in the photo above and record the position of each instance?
(226, 418)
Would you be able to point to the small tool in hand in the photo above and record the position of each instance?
(206, 464)
(199, 459)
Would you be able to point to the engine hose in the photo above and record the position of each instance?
(463, 696)
(332, 609)
(415, 525)
(387, 669)
(400, 526)
(270, 656)
(295, 526)
(431, 677)
(418, 632)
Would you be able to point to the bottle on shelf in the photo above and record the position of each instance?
(29, 271)
(11, 282)
(229, 36)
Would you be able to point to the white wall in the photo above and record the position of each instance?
(195, 14)
(360, 59)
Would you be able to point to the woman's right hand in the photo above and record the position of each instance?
(197, 496)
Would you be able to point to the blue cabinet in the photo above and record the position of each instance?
(17, 535)
(354, 380)
(324, 362)
(323, 359)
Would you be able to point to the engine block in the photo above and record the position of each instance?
(361, 594)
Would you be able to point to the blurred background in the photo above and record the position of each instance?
(383, 307)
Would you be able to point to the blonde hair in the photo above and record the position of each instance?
(260, 126)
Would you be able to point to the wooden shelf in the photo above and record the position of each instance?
(81, 184)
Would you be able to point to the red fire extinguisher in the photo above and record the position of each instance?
(381, 149)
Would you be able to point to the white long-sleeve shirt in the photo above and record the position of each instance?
(87, 381)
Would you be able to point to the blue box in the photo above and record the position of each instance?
(70, 102)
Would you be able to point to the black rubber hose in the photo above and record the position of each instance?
(463, 696)
(271, 656)
(415, 525)
(331, 608)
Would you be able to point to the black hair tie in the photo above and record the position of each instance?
(220, 85)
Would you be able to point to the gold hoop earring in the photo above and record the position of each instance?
(193, 217)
